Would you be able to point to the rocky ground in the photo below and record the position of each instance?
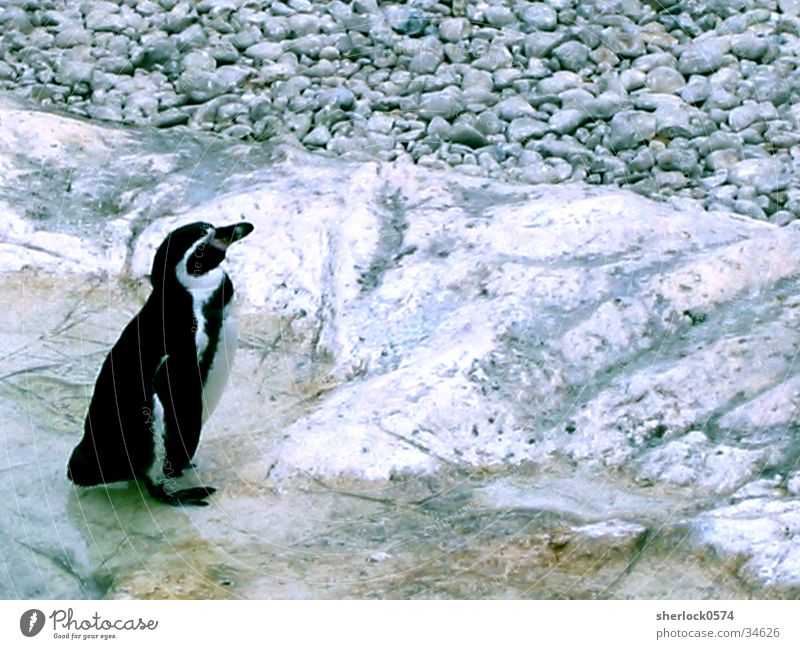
(668, 97)
(447, 385)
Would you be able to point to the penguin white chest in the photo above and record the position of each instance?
(221, 364)
(203, 291)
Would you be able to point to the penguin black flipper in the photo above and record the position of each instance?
(178, 396)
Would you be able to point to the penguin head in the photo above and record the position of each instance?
(192, 251)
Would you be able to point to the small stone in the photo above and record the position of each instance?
(765, 174)
(463, 133)
(702, 57)
(696, 91)
(572, 55)
(100, 20)
(200, 86)
(672, 120)
(558, 83)
(625, 44)
(198, 61)
(630, 128)
(319, 137)
(246, 38)
(74, 71)
(721, 159)
(567, 120)
(72, 37)
(495, 58)
(541, 44)
(632, 80)
(540, 16)
(6, 71)
(425, 62)
(749, 46)
(604, 106)
(498, 16)
(678, 159)
(537, 173)
(115, 64)
(224, 52)
(523, 129)
(171, 117)
(514, 107)
(741, 117)
(664, 79)
(454, 30)
(264, 51)
(302, 24)
(156, 52)
(447, 103)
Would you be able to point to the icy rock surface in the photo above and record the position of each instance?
(434, 369)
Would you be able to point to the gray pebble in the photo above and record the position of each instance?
(540, 16)
(425, 62)
(101, 20)
(696, 91)
(514, 107)
(523, 129)
(567, 120)
(318, 137)
(572, 55)
(721, 159)
(264, 51)
(454, 30)
(633, 80)
(664, 79)
(464, 133)
(629, 128)
(702, 57)
(558, 83)
(749, 46)
(767, 175)
(446, 103)
(498, 16)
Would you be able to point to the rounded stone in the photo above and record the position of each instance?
(567, 120)
(749, 46)
(318, 137)
(464, 133)
(425, 62)
(572, 55)
(454, 30)
(264, 51)
(514, 107)
(704, 56)
(630, 128)
(540, 16)
(664, 79)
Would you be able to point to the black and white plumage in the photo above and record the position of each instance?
(166, 373)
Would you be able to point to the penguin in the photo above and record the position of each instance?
(165, 374)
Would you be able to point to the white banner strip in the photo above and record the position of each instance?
(402, 624)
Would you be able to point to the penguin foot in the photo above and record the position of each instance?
(188, 496)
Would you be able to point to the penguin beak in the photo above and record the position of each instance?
(223, 237)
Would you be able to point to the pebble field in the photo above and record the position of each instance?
(671, 98)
